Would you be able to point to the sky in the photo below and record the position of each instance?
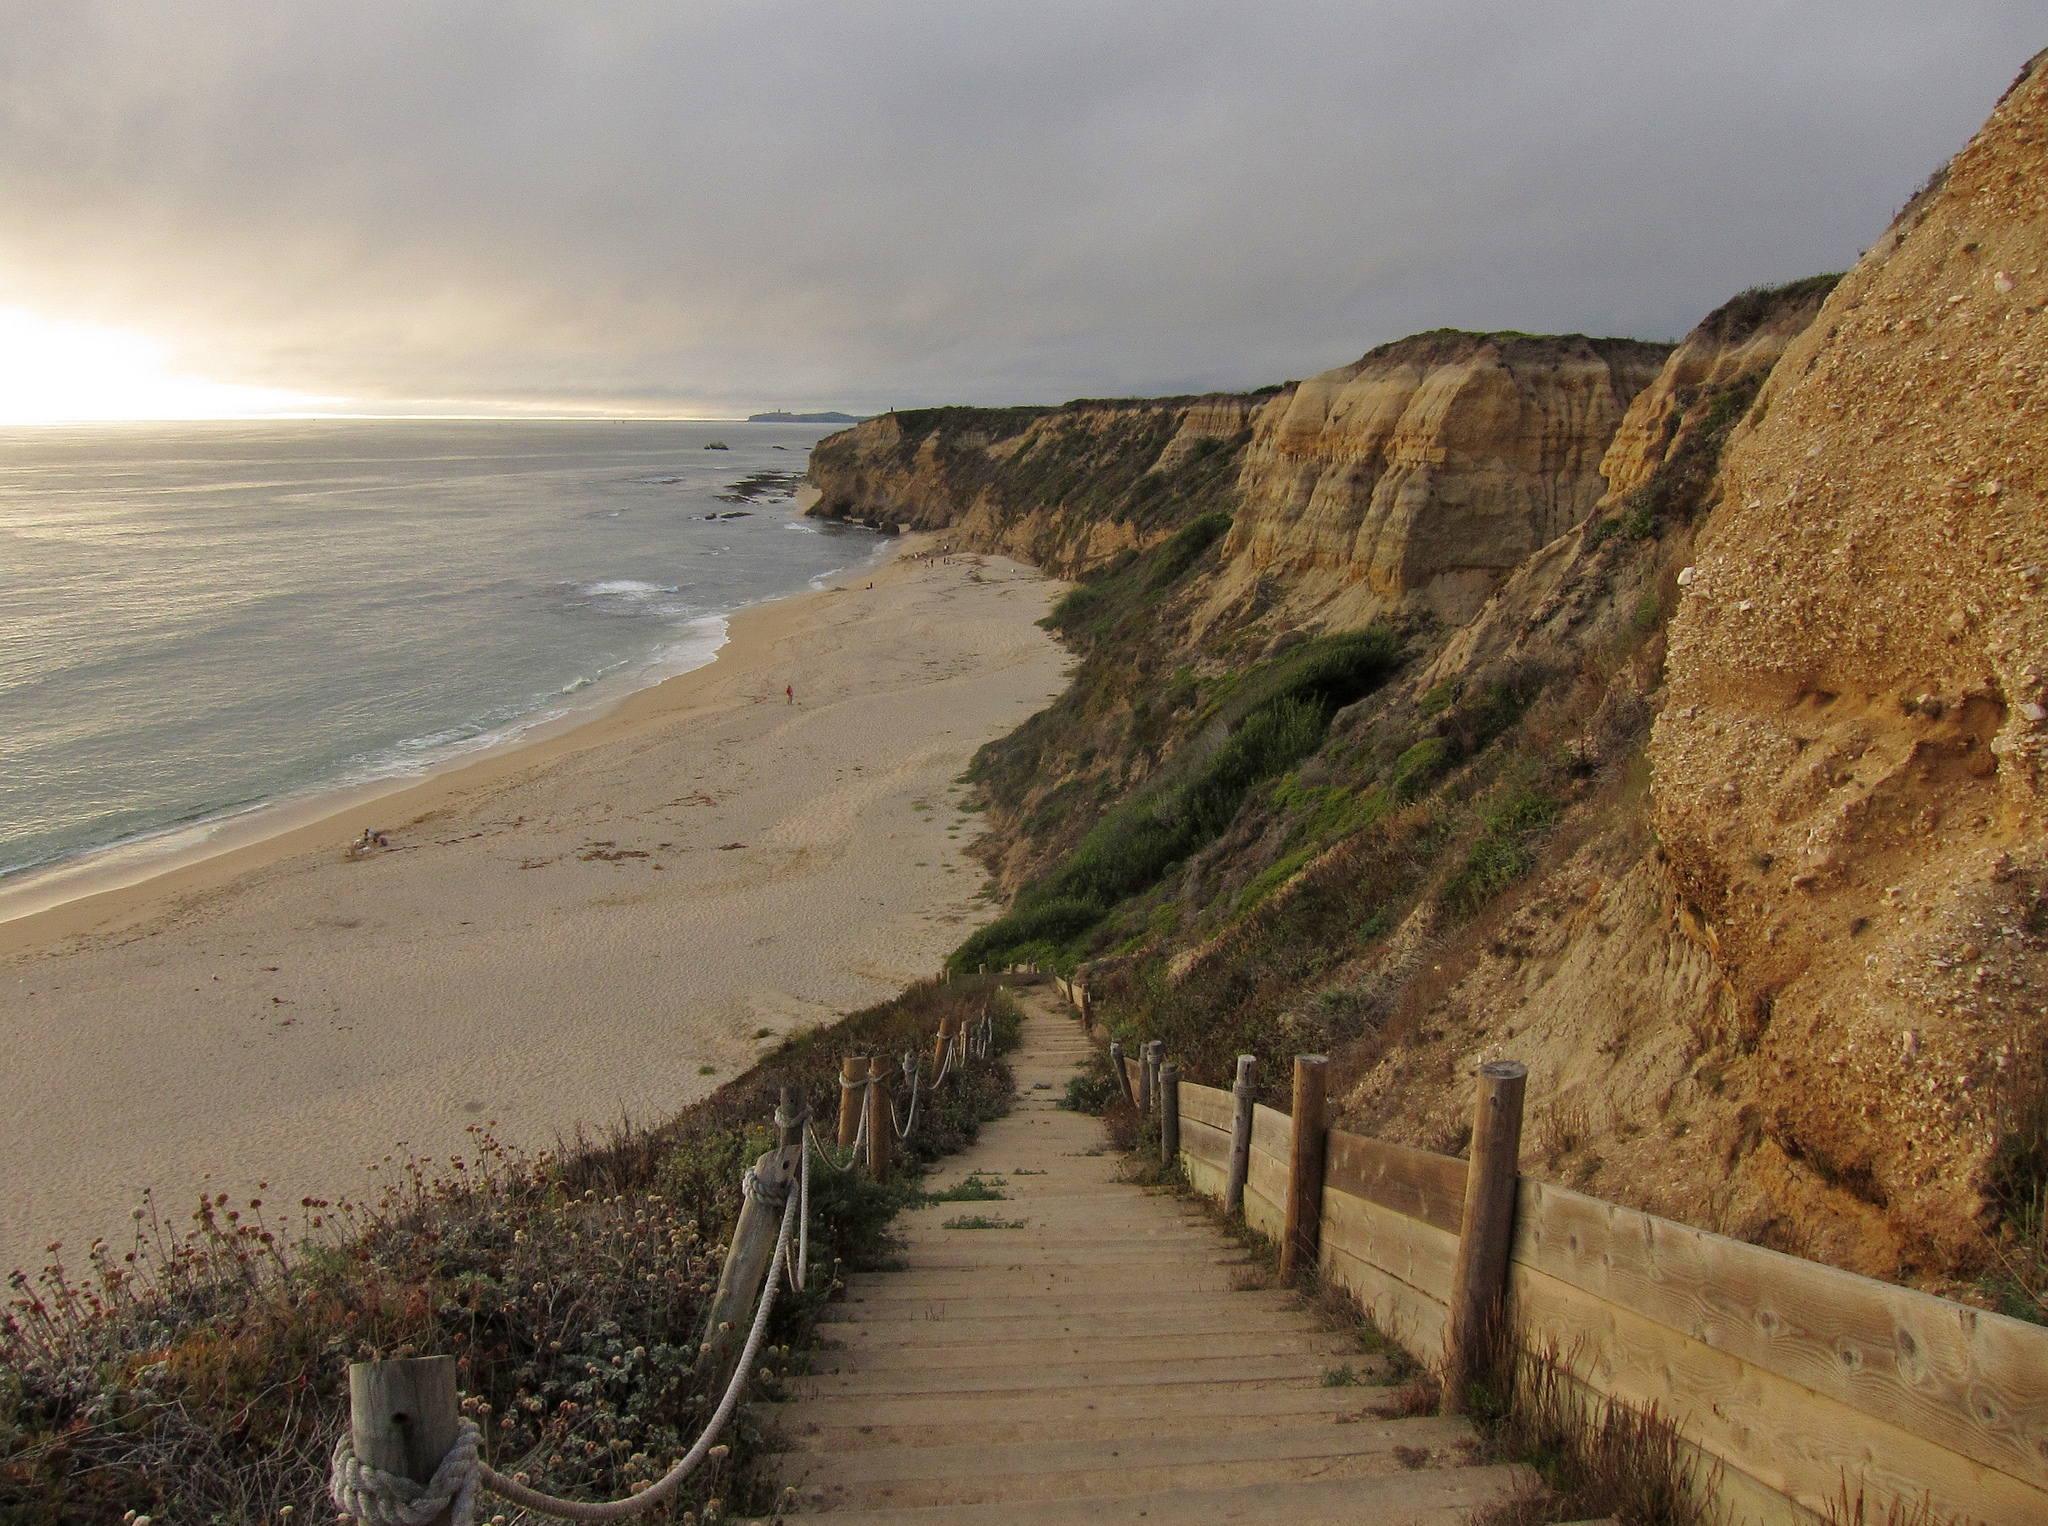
(706, 208)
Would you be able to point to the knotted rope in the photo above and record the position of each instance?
(364, 1493)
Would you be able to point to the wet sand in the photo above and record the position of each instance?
(604, 924)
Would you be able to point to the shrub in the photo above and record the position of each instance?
(206, 1381)
(1072, 607)
(1269, 741)
(1503, 853)
(1419, 767)
(1187, 544)
(1276, 715)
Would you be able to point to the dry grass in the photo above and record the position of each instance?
(1596, 1457)
(1564, 1124)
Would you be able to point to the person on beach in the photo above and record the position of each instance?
(789, 692)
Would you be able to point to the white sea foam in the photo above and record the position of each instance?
(599, 575)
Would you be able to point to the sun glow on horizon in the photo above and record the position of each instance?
(53, 371)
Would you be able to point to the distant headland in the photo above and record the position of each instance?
(779, 417)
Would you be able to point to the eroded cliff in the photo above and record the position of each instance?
(1419, 476)
(1848, 768)
(1068, 489)
(1775, 974)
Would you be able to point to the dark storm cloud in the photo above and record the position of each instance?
(885, 202)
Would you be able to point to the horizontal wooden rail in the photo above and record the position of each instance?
(1415, 1182)
(1785, 1377)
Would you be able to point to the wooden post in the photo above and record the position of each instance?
(853, 1076)
(791, 1114)
(1479, 1282)
(1144, 1081)
(1154, 1050)
(939, 1045)
(1123, 1077)
(1169, 1115)
(1302, 1238)
(402, 1416)
(881, 1127)
(746, 1259)
(1240, 1137)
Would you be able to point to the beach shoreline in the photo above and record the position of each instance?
(105, 888)
(599, 923)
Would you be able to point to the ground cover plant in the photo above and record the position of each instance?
(202, 1377)
(1257, 726)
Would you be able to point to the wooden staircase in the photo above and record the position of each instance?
(1106, 1356)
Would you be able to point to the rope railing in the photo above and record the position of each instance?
(363, 1492)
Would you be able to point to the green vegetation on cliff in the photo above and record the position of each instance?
(1258, 839)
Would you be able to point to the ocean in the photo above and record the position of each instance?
(201, 620)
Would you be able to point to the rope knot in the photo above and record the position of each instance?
(770, 1190)
(364, 1493)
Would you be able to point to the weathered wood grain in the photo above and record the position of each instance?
(1310, 1129)
(1199, 1140)
(403, 1416)
(1742, 1500)
(1404, 1313)
(1205, 1104)
(1268, 1176)
(1265, 1201)
(1418, 1183)
(1784, 1435)
(1204, 1176)
(1272, 1132)
(1420, 1254)
(1974, 1382)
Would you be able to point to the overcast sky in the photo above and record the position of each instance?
(708, 207)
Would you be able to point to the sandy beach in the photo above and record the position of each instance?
(604, 924)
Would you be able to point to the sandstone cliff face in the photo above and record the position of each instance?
(1067, 489)
(1848, 767)
(1418, 477)
(1735, 346)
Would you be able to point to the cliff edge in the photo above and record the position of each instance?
(1422, 474)
(1848, 764)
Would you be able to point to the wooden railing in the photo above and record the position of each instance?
(1788, 1378)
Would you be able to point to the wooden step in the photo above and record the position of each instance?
(1099, 1363)
(1119, 1467)
(1412, 1497)
(861, 1424)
